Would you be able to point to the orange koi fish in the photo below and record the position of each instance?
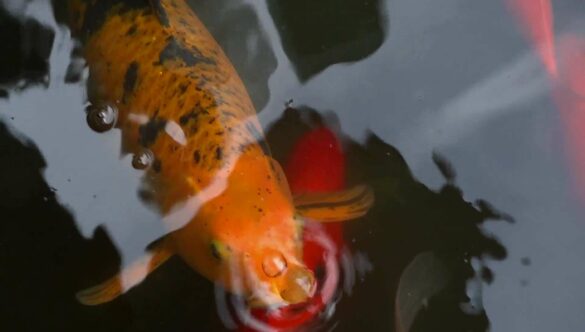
(226, 201)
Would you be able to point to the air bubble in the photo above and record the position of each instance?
(101, 118)
(142, 159)
(274, 264)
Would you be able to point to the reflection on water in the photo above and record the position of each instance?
(411, 103)
(25, 62)
(315, 37)
(250, 53)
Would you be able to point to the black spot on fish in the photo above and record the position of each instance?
(160, 12)
(183, 87)
(132, 30)
(97, 12)
(218, 153)
(130, 80)
(196, 156)
(175, 51)
(184, 119)
(157, 165)
(149, 131)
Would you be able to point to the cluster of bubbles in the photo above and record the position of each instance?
(102, 118)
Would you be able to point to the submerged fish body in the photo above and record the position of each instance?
(179, 98)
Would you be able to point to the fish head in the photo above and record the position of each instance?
(276, 279)
(258, 228)
(263, 261)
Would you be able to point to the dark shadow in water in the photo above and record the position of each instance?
(318, 34)
(407, 219)
(44, 258)
(236, 28)
(24, 57)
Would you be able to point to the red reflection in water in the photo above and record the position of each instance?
(537, 20)
(567, 73)
(569, 95)
(316, 164)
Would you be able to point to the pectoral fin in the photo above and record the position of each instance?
(336, 206)
(127, 278)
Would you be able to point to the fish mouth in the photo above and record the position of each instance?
(262, 302)
(265, 295)
(297, 286)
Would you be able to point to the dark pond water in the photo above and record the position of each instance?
(444, 109)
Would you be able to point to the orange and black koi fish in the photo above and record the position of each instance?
(179, 98)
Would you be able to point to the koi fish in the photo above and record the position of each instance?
(228, 205)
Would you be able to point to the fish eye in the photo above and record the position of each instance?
(219, 250)
(274, 264)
